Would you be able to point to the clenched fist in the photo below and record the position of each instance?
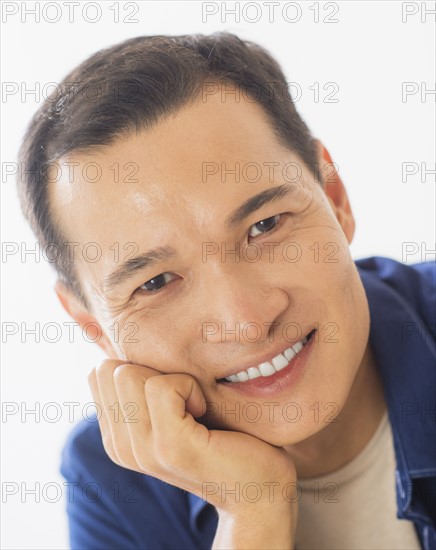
(160, 433)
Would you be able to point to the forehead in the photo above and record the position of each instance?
(188, 169)
(177, 156)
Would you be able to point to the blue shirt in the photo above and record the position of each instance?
(111, 507)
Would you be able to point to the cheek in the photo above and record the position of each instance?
(343, 338)
(341, 354)
(147, 341)
(124, 332)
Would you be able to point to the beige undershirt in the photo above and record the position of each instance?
(355, 506)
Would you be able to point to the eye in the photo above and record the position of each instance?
(264, 226)
(156, 283)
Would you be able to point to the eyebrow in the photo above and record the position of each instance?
(127, 270)
(256, 202)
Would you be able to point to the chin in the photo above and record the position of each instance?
(278, 434)
(291, 434)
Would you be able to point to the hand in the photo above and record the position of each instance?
(157, 434)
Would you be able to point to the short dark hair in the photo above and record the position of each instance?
(139, 82)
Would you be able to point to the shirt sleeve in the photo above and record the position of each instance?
(110, 507)
(92, 498)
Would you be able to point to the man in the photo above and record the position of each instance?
(261, 389)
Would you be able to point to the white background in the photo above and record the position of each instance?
(370, 132)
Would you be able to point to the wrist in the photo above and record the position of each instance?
(257, 527)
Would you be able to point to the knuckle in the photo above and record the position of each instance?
(110, 449)
(107, 367)
(124, 373)
(147, 464)
(107, 445)
(125, 458)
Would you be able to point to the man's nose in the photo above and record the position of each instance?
(241, 305)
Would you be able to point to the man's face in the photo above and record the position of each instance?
(194, 306)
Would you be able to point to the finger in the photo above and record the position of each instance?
(103, 421)
(121, 445)
(130, 381)
(176, 435)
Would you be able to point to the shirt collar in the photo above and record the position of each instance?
(405, 354)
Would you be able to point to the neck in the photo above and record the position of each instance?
(341, 441)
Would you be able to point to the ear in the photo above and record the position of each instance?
(84, 318)
(335, 192)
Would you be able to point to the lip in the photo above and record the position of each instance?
(278, 382)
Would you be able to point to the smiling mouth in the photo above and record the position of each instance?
(269, 368)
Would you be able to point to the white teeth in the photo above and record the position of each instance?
(289, 354)
(253, 372)
(266, 369)
(279, 362)
(297, 347)
(242, 376)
